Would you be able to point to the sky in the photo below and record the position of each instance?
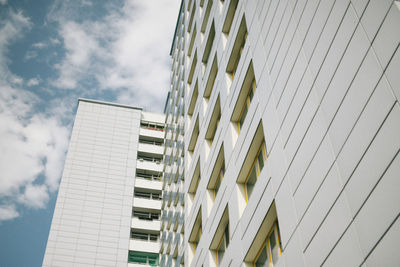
(51, 53)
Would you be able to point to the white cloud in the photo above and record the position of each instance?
(8, 212)
(32, 82)
(39, 45)
(34, 196)
(127, 52)
(32, 144)
(80, 46)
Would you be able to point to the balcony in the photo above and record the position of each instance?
(151, 132)
(151, 147)
(149, 165)
(146, 204)
(144, 245)
(153, 225)
(150, 182)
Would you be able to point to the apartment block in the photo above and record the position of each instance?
(291, 123)
(109, 202)
(279, 146)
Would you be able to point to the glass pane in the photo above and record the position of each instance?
(227, 235)
(243, 115)
(251, 94)
(221, 250)
(260, 158)
(262, 260)
(274, 247)
(251, 181)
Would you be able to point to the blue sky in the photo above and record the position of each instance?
(51, 53)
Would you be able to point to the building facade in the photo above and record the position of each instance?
(108, 207)
(291, 132)
(280, 147)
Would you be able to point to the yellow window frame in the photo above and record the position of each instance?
(247, 103)
(262, 147)
(266, 245)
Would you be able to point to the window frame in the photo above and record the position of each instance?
(224, 237)
(258, 170)
(247, 104)
(267, 246)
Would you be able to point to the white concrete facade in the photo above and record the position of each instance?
(324, 105)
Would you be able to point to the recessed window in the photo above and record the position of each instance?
(271, 249)
(206, 16)
(192, 38)
(244, 99)
(209, 45)
(255, 170)
(192, 68)
(192, 16)
(217, 174)
(221, 239)
(223, 245)
(266, 248)
(253, 164)
(194, 136)
(237, 50)
(214, 122)
(229, 16)
(195, 235)
(211, 78)
(193, 100)
(246, 104)
(194, 183)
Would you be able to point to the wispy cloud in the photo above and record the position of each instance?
(32, 82)
(33, 143)
(123, 53)
(127, 52)
(8, 212)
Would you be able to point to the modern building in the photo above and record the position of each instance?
(109, 203)
(281, 146)
(291, 121)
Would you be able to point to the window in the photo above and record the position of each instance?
(209, 44)
(214, 122)
(252, 165)
(221, 239)
(266, 247)
(217, 174)
(246, 105)
(144, 236)
(192, 68)
(148, 175)
(219, 179)
(255, 170)
(229, 16)
(196, 232)
(223, 244)
(195, 181)
(237, 49)
(148, 216)
(193, 100)
(147, 195)
(271, 249)
(244, 99)
(206, 16)
(142, 140)
(194, 137)
(211, 78)
(143, 258)
(151, 126)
